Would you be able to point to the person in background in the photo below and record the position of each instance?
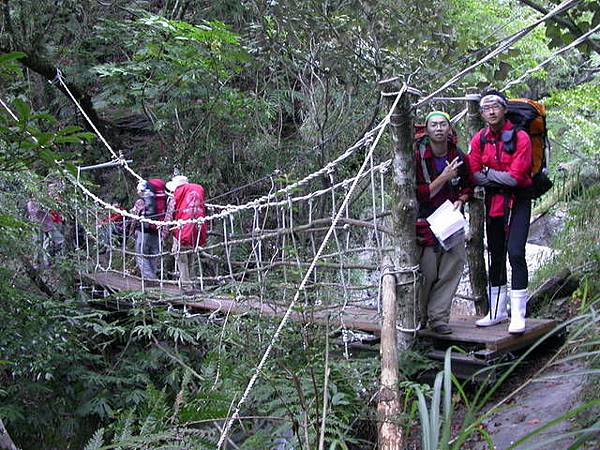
(442, 174)
(50, 236)
(150, 204)
(503, 172)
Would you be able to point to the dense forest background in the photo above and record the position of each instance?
(238, 93)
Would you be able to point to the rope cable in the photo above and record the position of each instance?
(123, 161)
(506, 44)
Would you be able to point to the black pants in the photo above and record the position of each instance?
(500, 241)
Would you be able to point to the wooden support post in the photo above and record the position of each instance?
(404, 212)
(475, 258)
(388, 407)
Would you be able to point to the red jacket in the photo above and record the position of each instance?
(493, 156)
(189, 204)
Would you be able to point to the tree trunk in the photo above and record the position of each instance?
(388, 408)
(475, 258)
(404, 215)
(6, 443)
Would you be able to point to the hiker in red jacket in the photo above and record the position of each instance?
(187, 202)
(503, 171)
(442, 174)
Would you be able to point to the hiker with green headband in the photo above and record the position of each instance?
(442, 174)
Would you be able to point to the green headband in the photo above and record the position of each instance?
(437, 114)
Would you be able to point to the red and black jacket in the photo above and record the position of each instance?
(459, 188)
(492, 155)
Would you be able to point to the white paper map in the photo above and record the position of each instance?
(447, 224)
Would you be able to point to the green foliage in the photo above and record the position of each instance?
(577, 243)
(179, 70)
(574, 115)
(227, 92)
(8, 64)
(430, 418)
(26, 144)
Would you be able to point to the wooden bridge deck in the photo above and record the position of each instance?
(353, 317)
(485, 345)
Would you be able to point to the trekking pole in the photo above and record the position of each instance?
(505, 247)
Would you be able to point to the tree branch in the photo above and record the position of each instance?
(44, 68)
(35, 277)
(567, 23)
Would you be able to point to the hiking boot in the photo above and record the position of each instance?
(497, 304)
(442, 329)
(518, 309)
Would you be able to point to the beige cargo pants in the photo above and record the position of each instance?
(441, 271)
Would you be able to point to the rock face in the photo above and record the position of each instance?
(544, 227)
(551, 396)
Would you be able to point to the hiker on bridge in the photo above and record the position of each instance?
(151, 204)
(442, 174)
(503, 172)
(185, 203)
(50, 235)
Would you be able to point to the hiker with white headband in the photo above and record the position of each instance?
(442, 174)
(503, 167)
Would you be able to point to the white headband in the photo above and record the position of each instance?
(489, 99)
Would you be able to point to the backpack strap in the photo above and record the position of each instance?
(509, 137)
(422, 148)
(546, 147)
(482, 140)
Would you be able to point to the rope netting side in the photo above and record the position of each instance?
(305, 279)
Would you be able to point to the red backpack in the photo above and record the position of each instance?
(155, 205)
(189, 204)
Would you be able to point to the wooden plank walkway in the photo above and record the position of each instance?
(493, 339)
(486, 345)
(353, 317)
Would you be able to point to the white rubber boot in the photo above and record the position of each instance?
(497, 311)
(518, 309)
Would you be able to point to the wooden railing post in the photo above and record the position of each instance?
(389, 428)
(475, 258)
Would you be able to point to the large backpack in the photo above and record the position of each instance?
(529, 116)
(155, 204)
(189, 204)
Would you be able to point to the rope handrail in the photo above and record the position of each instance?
(119, 158)
(382, 167)
(528, 72)
(231, 209)
(326, 169)
(554, 55)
